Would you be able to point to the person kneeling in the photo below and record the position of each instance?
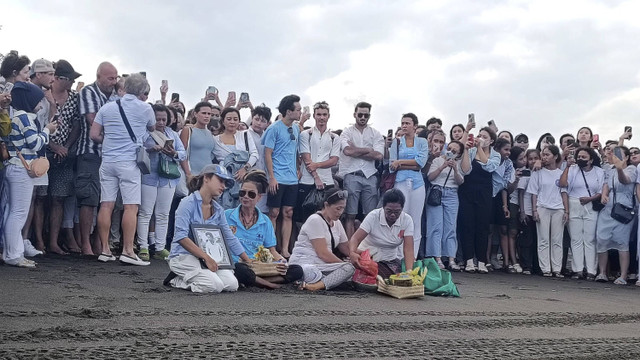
(321, 237)
(254, 229)
(191, 267)
(387, 233)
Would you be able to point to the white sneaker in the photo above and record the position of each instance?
(471, 267)
(518, 268)
(133, 260)
(482, 269)
(29, 250)
(106, 257)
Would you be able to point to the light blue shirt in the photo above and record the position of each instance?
(117, 144)
(500, 178)
(190, 212)
(419, 152)
(277, 138)
(261, 233)
(153, 179)
(493, 162)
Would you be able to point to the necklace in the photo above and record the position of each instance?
(248, 223)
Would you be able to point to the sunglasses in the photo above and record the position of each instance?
(66, 79)
(250, 193)
(291, 136)
(522, 141)
(342, 194)
(363, 115)
(634, 153)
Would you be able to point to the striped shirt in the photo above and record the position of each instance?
(91, 100)
(26, 136)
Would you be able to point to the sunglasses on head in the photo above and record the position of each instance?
(342, 194)
(291, 136)
(363, 115)
(250, 193)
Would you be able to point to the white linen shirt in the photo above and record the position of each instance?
(321, 147)
(384, 242)
(544, 184)
(369, 137)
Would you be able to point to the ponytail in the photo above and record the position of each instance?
(194, 183)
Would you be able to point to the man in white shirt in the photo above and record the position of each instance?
(319, 149)
(387, 233)
(361, 147)
(119, 170)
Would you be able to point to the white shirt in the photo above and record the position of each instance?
(316, 228)
(527, 207)
(385, 243)
(257, 140)
(321, 147)
(222, 150)
(513, 197)
(370, 138)
(576, 189)
(544, 184)
(439, 180)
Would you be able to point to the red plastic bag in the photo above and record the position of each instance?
(368, 270)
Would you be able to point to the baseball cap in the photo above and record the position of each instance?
(219, 171)
(522, 138)
(41, 66)
(63, 68)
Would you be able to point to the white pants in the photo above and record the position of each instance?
(550, 232)
(192, 276)
(160, 198)
(582, 229)
(19, 190)
(413, 205)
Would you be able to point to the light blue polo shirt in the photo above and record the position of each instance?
(277, 138)
(261, 233)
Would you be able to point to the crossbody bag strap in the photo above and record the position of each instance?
(246, 142)
(126, 122)
(614, 189)
(445, 180)
(585, 182)
(333, 241)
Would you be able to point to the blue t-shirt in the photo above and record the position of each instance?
(261, 233)
(278, 138)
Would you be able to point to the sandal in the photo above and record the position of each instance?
(620, 281)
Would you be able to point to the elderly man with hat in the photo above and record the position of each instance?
(61, 154)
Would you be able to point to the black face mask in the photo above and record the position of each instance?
(582, 163)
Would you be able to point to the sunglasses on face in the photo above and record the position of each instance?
(66, 79)
(342, 194)
(522, 141)
(250, 193)
(363, 115)
(634, 152)
(291, 136)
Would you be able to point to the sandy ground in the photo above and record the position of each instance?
(77, 308)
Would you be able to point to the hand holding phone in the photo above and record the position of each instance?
(7, 88)
(596, 138)
(244, 97)
(175, 97)
(627, 129)
(212, 90)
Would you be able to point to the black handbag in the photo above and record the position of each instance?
(435, 193)
(621, 213)
(597, 205)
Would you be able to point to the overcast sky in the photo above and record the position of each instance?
(533, 66)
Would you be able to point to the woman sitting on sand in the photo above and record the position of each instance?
(321, 236)
(254, 229)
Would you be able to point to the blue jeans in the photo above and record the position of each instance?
(441, 232)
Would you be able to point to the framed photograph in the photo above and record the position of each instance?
(210, 238)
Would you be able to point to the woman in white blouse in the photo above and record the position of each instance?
(550, 211)
(321, 237)
(446, 172)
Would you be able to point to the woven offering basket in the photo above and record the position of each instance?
(400, 292)
(264, 269)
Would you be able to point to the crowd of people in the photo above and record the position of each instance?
(99, 171)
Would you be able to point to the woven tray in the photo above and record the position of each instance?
(400, 292)
(264, 269)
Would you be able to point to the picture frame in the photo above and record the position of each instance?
(210, 238)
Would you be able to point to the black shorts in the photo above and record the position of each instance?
(514, 220)
(498, 217)
(88, 180)
(303, 190)
(285, 196)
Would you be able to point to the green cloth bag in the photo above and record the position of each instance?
(438, 282)
(168, 168)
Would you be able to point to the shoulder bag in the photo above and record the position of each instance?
(334, 247)
(142, 158)
(435, 193)
(621, 213)
(597, 205)
(388, 179)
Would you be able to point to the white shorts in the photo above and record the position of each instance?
(124, 176)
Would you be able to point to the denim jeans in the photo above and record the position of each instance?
(19, 190)
(442, 220)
